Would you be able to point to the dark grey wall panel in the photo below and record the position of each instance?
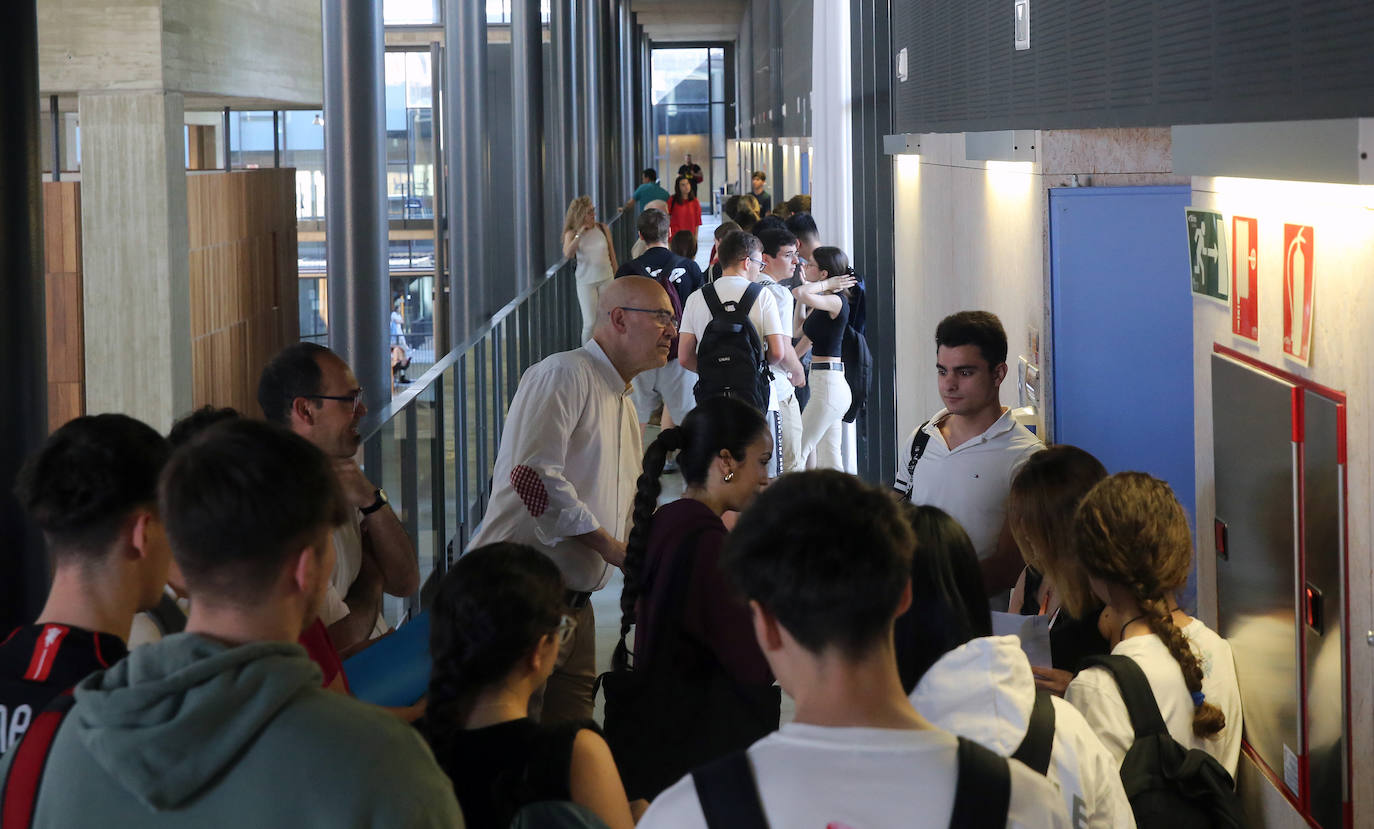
(1103, 63)
(796, 66)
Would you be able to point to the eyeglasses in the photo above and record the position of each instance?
(354, 398)
(758, 262)
(564, 631)
(663, 318)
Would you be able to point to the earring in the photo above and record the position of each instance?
(729, 476)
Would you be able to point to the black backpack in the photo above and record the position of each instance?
(858, 370)
(729, 795)
(730, 356)
(1168, 785)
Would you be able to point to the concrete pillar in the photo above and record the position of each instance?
(355, 193)
(23, 361)
(135, 255)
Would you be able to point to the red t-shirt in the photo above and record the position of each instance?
(683, 216)
(315, 640)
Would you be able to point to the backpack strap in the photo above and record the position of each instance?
(712, 300)
(728, 793)
(746, 302)
(918, 448)
(1135, 692)
(20, 792)
(1035, 749)
(982, 796)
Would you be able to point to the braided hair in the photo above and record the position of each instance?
(1130, 530)
(720, 424)
(491, 610)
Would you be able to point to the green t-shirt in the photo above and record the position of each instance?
(647, 192)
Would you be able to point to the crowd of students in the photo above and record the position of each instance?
(870, 608)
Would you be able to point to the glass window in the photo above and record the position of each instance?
(410, 12)
(498, 11)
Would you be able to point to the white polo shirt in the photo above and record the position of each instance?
(970, 481)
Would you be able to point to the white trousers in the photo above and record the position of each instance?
(589, 296)
(822, 424)
(790, 425)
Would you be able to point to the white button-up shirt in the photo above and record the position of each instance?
(970, 481)
(569, 457)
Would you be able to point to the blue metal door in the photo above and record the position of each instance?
(1123, 329)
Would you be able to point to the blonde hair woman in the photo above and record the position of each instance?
(590, 241)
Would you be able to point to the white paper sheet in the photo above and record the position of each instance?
(1034, 632)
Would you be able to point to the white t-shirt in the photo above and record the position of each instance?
(782, 387)
(348, 562)
(970, 481)
(984, 690)
(864, 778)
(1095, 694)
(764, 313)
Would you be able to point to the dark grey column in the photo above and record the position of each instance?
(23, 342)
(775, 97)
(874, 229)
(527, 128)
(589, 75)
(576, 124)
(557, 170)
(610, 107)
(355, 192)
(465, 36)
(629, 151)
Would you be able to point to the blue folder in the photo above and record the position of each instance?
(393, 671)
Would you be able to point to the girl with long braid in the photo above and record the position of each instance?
(1132, 538)
(498, 619)
(675, 595)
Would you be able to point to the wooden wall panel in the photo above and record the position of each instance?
(62, 280)
(243, 280)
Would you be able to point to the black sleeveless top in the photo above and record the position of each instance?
(827, 335)
(497, 769)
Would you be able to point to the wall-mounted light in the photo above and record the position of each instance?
(1001, 145)
(906, 143)
(1335, 151)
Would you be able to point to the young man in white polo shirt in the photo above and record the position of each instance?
(824, 561)
(963, 458)
(741, 260)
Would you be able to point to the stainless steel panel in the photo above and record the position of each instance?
(1256, 586)
(1323, 552)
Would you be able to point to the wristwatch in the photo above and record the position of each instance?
(381, 501)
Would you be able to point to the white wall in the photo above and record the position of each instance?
(1342, 359)
(970, 236)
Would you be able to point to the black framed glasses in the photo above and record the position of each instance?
(353, 399)
(662, 317)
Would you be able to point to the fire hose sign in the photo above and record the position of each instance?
(1298, 290)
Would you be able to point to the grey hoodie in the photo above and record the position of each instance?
(192, 732)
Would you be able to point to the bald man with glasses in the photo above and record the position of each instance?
(312, 391)
(570, 453)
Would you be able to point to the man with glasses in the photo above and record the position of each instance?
(310, 390)
(741, 261)
(570, 453)
(670, 386)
